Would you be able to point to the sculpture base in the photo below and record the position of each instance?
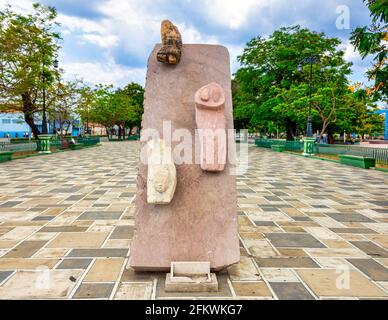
(191, 286)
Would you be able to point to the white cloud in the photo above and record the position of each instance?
(72, 23)
(351, 55)
(127, 30)
(107, 41)
(18, 6)
(192, 35)
(229, 13)
(104, 73)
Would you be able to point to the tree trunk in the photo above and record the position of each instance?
(290, 128)
(28, 108)
(119, 132)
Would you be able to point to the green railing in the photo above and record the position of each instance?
(380, 154)
(289, 145)
(18, 147)
(54, 143)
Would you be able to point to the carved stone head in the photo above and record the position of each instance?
(210, 97)
(161, 178)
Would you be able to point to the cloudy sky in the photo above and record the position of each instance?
(108, 41)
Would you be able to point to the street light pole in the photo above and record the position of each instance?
(44, 117)
(309, 140)
(311, 60)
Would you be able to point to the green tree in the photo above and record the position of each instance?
(269, 67)
(373, 40)
(28, 47)
(135, 98)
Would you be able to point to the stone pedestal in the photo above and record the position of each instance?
(308, 147)
(200, 223)
(44, 143)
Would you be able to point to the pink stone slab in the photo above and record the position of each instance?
(200, 223)
(211, 124)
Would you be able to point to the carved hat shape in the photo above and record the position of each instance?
(210, 96)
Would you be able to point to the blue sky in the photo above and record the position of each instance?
(108, 41)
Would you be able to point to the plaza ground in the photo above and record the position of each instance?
(309, 229)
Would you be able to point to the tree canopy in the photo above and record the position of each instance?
(28, 47)
(28, 75)
(372, 40)
(271, 89)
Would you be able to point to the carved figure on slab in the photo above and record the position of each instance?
(211, 126)
(161, 178)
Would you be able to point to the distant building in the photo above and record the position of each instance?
(13, 124)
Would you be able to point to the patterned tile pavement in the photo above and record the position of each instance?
(309, 229)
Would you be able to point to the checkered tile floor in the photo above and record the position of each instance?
(309, 229)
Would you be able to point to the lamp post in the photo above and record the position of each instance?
(309, 140)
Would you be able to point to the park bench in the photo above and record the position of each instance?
(5, 156)
(357, 161)
(278, 147)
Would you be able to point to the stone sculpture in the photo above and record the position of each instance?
(161, 179)
(200, 223)
(211, 125)
(171, 50)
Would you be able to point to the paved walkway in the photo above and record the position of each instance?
(309, 229)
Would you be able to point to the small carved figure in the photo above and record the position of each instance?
(171, 50)
(161, 180)
(211, 125)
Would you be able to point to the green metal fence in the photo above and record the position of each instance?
(380, 154)
(34, 145)
(18, 147)
(289, 145)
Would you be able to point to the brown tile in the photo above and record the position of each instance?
(281, 262)
(294, 229)
(292, 252)
(21, 263)
(122, 232)
(129, 275)
(78, 240)
(337, 244)
(74, 264)
(98, 253)
(327, 283)
(371, 249)
(64, 229)
(26, 249)
(294, 240)
(7, 244)
(371, 268)
(353, 230)
(105, 270)
(380, 239)
(94, 291)
(251, 289)
(291, 291)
